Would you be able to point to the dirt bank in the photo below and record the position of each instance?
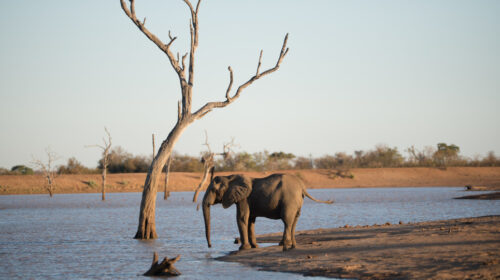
(182, 181)
(451, 249)
(486, 196)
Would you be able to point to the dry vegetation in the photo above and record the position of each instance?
(186, 181)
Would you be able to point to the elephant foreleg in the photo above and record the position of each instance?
(242, 215)
(251, 233)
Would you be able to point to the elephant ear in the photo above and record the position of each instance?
(239, 188)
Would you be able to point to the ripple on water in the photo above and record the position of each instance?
(78, 236)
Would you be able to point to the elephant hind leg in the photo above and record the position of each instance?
(289, 219)
(286, 236)
(294, 242)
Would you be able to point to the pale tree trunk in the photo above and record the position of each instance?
(209, 169)
(50, 185)
(208, 163)
(47, 169)
(105, 160)
(166, 192)
(185, 116)
(103, 196)
(147, 224)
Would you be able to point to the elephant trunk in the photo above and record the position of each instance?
(208, 200)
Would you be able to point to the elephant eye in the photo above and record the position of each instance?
(217, 180)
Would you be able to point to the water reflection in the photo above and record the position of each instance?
(79, 236)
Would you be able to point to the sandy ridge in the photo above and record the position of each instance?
(451, 249)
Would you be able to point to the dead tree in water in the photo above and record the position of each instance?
(165, 268)
(105, 160)
(48, 170)
(208, 163)
(166, 192)
(185, 115)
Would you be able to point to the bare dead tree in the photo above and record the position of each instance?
(166, 192)
(48, 169)
(209, 164)
(185, 116)
(106, 148)
(165, 268)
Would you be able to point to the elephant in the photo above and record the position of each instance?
(278, 196)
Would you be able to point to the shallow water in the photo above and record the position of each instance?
(78, 236)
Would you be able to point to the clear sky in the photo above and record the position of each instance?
(358, 74)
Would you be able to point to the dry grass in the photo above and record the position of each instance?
(183, 181)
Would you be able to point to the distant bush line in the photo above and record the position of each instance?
(441, 156)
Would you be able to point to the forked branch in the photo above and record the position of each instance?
(230, 99)
(165, 268)
(130, 12)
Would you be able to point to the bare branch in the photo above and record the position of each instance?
(206, 142)
(95, 146)
(179, 110)
(260, 62)
(162, 46)
(230, 82)
(183, 60)
(212, 105)
(193, 28)
(227, 148)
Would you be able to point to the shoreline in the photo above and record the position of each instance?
(458, 248)
(485, 177)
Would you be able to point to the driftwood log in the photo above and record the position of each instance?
(165, 268)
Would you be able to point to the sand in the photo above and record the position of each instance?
(488, 177)
(452, 249)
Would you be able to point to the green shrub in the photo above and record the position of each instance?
(21, 170)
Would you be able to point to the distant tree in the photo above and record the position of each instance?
(359, 159)
(303, 163)
(48, 170)
(73, 166)
(185, 163)
(490, 160)
(105, 159)
(121, 161)
(209, 164)
(326, 162)
(446, 154)
(22, 170)
(383, 156)
(280, 161)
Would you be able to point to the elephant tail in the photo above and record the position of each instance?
(304, 191)
(317, 200)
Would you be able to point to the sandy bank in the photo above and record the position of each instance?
(452, 249)
(183, 181)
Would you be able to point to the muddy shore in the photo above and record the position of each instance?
(485, 177)
(451, 249)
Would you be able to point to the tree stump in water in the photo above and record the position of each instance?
(165, 268)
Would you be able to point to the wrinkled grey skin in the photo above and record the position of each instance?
(278, 196)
